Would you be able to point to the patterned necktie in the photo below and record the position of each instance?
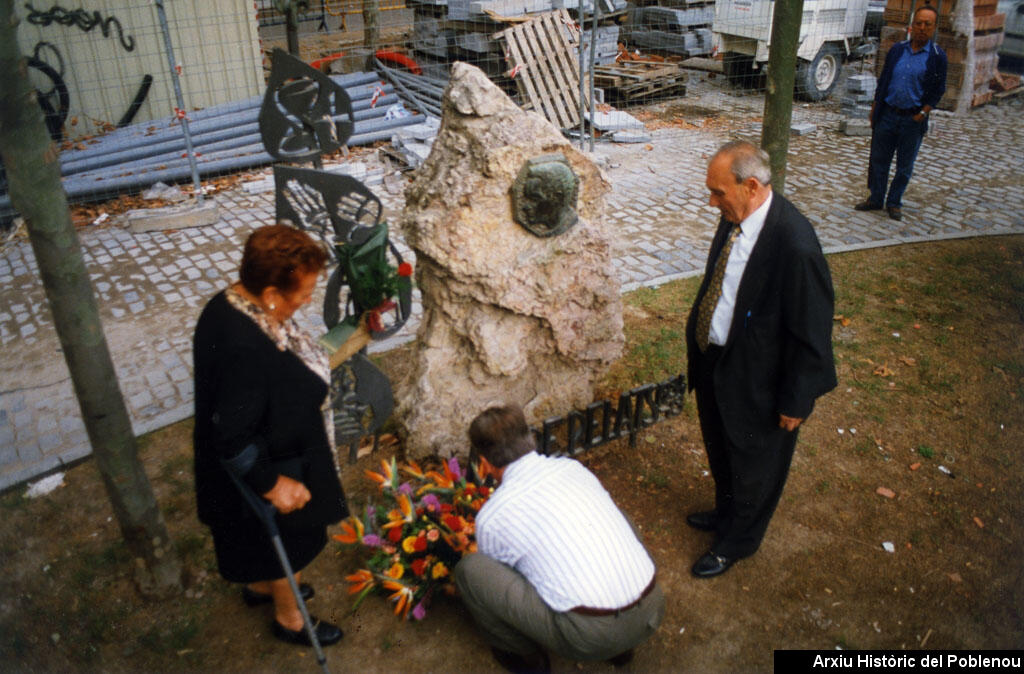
(714, 291)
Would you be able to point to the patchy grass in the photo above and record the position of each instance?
(951, 393)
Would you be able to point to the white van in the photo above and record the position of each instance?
(831, 32)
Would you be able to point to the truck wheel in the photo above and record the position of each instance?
(739, 70)
(816, 79)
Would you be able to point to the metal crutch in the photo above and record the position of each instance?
(238, 466)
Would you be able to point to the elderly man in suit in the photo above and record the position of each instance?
(759, 349)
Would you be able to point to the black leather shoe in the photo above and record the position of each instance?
(895, 212)
(326, 633)
(252, 598)
(711, 565)
(867, 205)
(538, 663)
(703, 521)
(622, 659)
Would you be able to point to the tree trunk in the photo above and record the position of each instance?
(371, 31)
(778, 101)
(33, 174)
(291, 29)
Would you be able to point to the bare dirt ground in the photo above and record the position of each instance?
(930, 352)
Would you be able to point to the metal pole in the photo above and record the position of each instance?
(169, 49)
(582, 23)
(590, 67)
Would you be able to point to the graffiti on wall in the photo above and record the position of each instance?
(80, 19)
(48, 63)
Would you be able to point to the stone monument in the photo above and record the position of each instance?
(520, 298)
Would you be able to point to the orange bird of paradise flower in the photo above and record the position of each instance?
(400, 516)
(413, 469)
(351, 531)
(387, 477)
(359, 581)
(402, 596)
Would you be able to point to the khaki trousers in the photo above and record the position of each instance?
(514, 618)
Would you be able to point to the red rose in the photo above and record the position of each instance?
(395, 534)
(419, 566)
(405, 269)
(421, 543)
(452, 522)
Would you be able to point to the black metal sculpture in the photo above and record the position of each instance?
(305, 115)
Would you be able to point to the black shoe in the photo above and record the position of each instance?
(537, 663)
(622, 659)
(867, 205)
(711, 565)
(326, 633)
(252, 598)
(895, 212)
(703, 521)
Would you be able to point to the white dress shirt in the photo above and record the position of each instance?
(553, 522)
(750, 229)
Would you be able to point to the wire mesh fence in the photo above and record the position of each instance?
(105, 78)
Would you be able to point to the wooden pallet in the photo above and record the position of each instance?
(542, 55)
(633, 80)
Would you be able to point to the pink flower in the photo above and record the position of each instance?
(431, 503)
(453, 466)
(420, 612)
(372, 540)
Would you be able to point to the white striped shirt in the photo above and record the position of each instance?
(553, 522)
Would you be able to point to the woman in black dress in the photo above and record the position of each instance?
(260, 380)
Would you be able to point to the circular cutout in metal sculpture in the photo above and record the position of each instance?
(544, 195)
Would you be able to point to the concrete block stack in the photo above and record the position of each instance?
(970, 31)
(606, 45)
(430, 37)
(856, 104)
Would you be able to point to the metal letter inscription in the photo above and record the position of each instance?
(544, 195)
(304, 113)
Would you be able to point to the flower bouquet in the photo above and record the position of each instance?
(415, 535)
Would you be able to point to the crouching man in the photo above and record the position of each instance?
(559, 568)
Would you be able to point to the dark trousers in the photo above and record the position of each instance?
(897, 134)
(749, 477)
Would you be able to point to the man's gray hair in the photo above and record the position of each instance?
(748, 161)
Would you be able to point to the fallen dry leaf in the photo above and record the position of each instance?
(842, 320)
(886, 492)
(977, 520)
(907, 360)
(883, 370)
(915, 465)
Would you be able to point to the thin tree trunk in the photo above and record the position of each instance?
(371, 31)
(778, 101)
(291, 29)
(33, 174)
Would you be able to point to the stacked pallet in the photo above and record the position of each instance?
(970, 32)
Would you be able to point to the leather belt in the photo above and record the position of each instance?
(586, 610)
(905, 112)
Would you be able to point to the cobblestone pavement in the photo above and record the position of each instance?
(151, 287)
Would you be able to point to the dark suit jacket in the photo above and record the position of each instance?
(778, 356)
(247, 391)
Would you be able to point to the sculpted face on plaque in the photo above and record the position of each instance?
(544, 195)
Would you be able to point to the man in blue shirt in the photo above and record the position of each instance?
(912, 82)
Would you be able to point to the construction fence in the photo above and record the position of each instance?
(118, 83)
